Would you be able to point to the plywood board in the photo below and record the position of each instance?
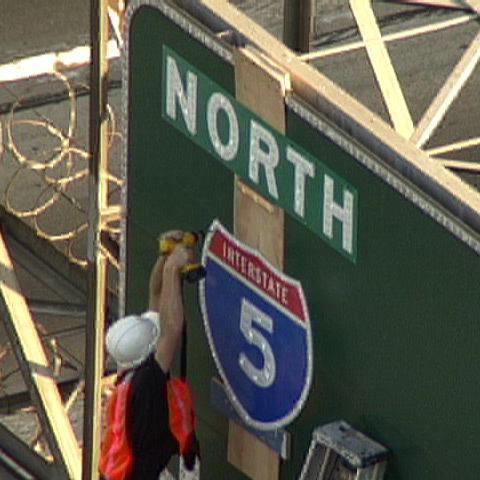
(261, 86)
(250, 455)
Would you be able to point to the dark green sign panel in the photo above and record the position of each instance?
(396, 331)
(278, 168)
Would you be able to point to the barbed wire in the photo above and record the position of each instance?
(60, 168)
(61, 173)
(42, 185)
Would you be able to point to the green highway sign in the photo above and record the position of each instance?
(273, 164)
(386, 244)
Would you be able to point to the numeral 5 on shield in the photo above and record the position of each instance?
(250, 315)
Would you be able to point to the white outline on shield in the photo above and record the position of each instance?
(294, 412)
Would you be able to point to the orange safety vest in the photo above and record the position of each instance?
(181, 411)
(116, 453)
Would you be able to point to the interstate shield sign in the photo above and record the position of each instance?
(257, 324)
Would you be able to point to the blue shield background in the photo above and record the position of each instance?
(273, 405)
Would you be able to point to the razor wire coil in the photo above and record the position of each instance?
(60, 168)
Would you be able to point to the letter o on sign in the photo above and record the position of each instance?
(216, 103)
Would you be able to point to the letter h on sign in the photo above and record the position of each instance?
(344, 213)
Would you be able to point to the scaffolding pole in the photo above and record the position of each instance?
(97, 261)
(297, 24)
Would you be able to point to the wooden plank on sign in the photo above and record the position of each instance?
(250, 455)
(261, 86)
(261, 98)
(258, 222)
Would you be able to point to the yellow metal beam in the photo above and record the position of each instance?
(460, 165)
(317, 90)
(447, 94)
(112, 213)
(473, 4)
(382, 67)
(97, 260)
(435, 3)
(391, 37)
(47, 397)
(454, 147)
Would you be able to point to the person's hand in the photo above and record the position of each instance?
(156, 277)
(181, 256)
(176, 235)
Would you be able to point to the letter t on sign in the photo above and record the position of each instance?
(261, 87)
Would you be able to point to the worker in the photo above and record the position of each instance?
(140, 437)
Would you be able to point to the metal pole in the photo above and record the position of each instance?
(313, 19)
(34, 366)
(297, 24)
(97, 262)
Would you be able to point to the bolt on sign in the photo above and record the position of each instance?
(278, 168)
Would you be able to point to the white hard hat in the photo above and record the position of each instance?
(132, 339)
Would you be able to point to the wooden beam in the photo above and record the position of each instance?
(391, 37)
(447, 94)
(261, 86)
(382, 67)
(116, 13)
(434, 3)
(460, 165)
(34, 368)
(454, 147)
(473, 4)
(297, 23)
(15, 449)
(112, 213)
(97, 260)
(252, 457)
(338, 106)
(257, 225)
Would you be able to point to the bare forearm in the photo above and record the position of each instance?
(171, 301)
(172, 315)
(155, 287)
